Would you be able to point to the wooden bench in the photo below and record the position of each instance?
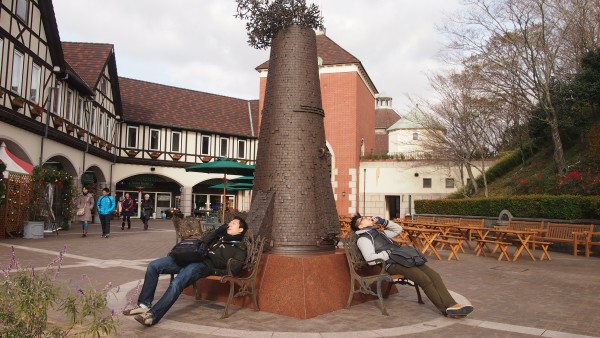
(453, 243)
(425, 219)
(566, 233)
(482, 244)
(592, 239)
(544, 246)
(472, 222)
(246, 282)
(362, 276)
(525, 225)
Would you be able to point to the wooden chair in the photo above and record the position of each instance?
(186, 227)
(361, 279)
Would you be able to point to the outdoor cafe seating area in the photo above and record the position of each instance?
(446, 238)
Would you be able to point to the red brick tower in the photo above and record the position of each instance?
(293, 203)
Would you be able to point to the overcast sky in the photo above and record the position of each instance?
(198, 44)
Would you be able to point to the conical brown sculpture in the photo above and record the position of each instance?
(293, 203)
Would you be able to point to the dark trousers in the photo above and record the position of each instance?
(430, 281)
(105, 222)
(126, 218)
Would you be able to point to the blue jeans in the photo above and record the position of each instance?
(185, 277)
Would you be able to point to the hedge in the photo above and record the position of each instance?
(527, 206)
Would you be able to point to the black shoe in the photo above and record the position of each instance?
(123, 227)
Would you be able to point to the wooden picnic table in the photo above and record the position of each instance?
(523, 237)
(423, 238)
(464, 230)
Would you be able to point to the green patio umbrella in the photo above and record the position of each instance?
(237, 186)
(223, 166)
(243, 179)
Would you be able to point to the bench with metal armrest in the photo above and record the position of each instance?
(363, 276)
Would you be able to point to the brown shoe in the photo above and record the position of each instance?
(459, 311)
(145, 319)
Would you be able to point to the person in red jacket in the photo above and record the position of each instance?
(127, 211)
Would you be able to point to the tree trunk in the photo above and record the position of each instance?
(559, 158)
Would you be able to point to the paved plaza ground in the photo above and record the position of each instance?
(558, 298)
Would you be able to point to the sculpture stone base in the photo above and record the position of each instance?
(295, 286)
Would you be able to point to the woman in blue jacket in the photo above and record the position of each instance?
(105, 206)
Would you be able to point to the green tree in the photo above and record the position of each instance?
(266, 17)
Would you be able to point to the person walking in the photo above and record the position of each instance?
(147, 210)
(105, 205)
(84, 204)
(127, 211)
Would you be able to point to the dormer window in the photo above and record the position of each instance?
(103, 86)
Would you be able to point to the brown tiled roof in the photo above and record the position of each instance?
(385, 117)
(152, 103)
(88, 60)
(330, 52)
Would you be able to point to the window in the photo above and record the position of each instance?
(241, 149)
(79, 119)
(224, 146)
(1, 50)
(109, 125)
(205, 146)
(132, 133)
(176, 141)
(93, 121)
(22, 9)
(102, 126)
(450, 183)
(154, 139)
(69, 106)
(415, 136)
(103, 85)
(427, 183)
(17, 72)
(56, 100)
(34, 92)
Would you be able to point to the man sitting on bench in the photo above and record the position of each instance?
(224, 243)
(430, 281)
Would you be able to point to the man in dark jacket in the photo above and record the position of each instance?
(224, 243)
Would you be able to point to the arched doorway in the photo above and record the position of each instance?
(59, 195)
(164, 191)
(208, 201)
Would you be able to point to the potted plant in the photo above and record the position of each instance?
(102, 143)
(81, 132)
(95, 139)
(36, 110)
(57, 120)
(108, 146)
(37, 209)
(17, 102)
(176, 157)
(132, 153)
(70, 127)
(154, 154)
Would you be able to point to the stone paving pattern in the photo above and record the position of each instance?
(557, 298)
